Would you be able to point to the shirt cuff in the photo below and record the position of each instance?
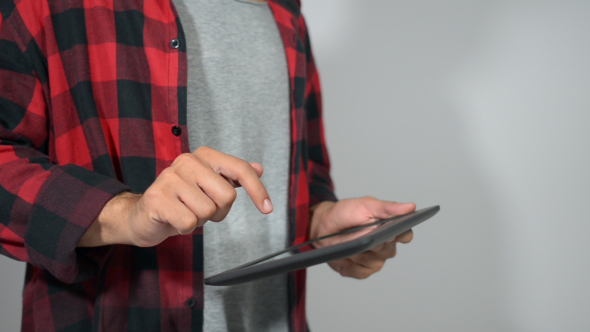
(69, 201)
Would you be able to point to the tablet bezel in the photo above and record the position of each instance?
(259, 269)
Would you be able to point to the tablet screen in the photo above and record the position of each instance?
(328, 240)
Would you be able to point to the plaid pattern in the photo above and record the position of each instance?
(93, 103)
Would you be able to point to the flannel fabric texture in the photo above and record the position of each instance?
(93, 103)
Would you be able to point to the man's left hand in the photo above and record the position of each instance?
(329, 218)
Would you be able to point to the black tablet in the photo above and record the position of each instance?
(325, 249)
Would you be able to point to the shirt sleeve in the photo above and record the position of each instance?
(321, 187)
(45, 208)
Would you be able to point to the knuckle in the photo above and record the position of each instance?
(201, 150)
(364, 275)
(187, 226)
(216, 218)
(344, 271)
(228, 196)
(219, 215)
(182, 160)
(378, 266)
(208, 209)
(167, 174)
(244, 167)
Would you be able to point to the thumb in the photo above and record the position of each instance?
(398, 209)
(384, 209)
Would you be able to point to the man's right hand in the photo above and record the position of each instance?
(197, 187)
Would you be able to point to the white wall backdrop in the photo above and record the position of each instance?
(482, 107)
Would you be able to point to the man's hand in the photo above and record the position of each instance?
(329, 218)
(197, 187)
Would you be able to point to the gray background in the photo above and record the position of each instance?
(481, 107)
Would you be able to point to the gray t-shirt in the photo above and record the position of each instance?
(238, 103)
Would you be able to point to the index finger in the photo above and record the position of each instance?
(239, 171)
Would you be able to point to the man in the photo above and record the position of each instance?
(108, 177)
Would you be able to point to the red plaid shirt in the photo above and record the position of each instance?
(93, 103)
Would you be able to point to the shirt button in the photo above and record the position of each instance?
(175, 43)
(176, 131)
(191, 303)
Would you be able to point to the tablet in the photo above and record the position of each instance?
(328, 248)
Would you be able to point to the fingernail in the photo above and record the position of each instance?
(267, 206)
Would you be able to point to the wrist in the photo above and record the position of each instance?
(111, 226)
(317, 215)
